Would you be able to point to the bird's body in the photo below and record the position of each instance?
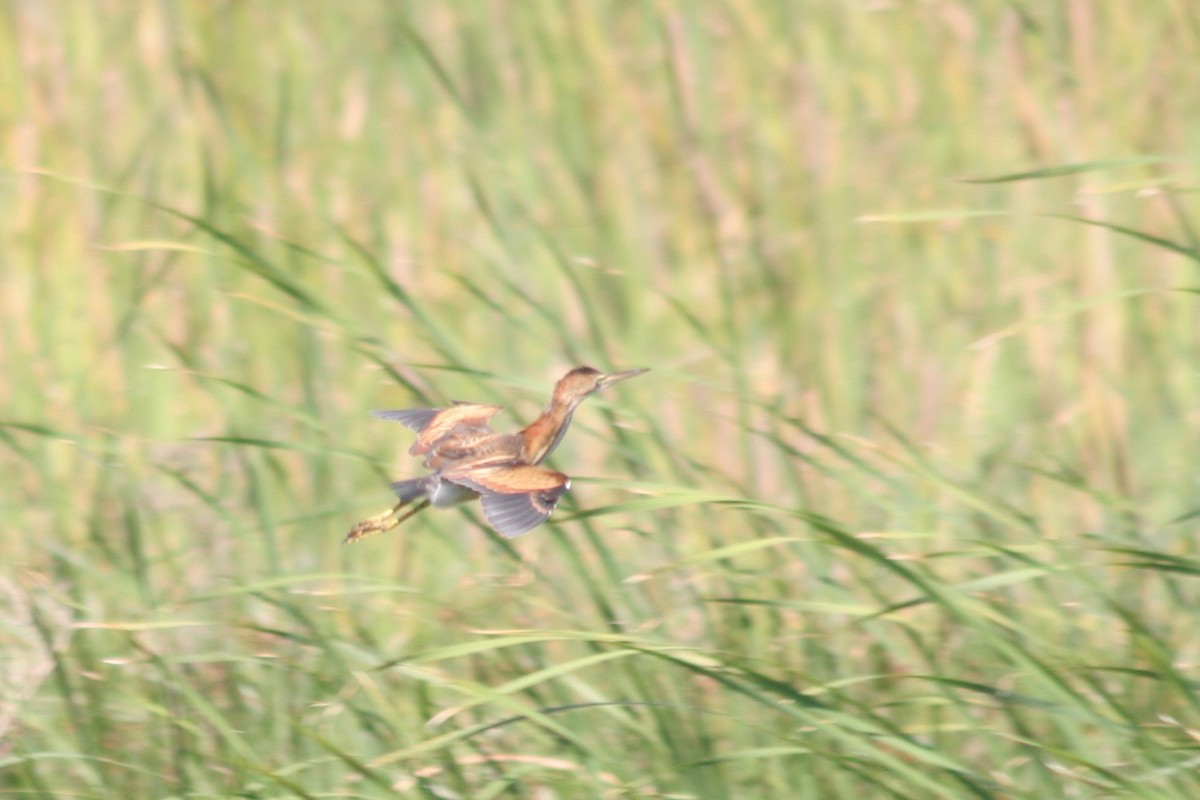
(468, 459)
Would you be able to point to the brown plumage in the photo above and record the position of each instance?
(468, 459)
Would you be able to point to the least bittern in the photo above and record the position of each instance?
(468, 459)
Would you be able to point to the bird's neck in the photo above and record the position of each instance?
(543, 434)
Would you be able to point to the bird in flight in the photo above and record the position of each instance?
(467, 459)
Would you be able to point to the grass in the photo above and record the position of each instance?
(906, 507)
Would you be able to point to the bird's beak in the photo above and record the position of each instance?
(617, 377)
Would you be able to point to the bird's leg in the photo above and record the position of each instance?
(385, 521)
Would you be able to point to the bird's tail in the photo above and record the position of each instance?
(410, 490)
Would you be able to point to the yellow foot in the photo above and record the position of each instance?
(384, 522)
(376, 524)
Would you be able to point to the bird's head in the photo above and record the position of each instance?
(577, 384)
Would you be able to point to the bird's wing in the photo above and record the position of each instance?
(514, 514)
(436, 424)
(474, 448)
(415, 419)
(510, 478)
(515, 497)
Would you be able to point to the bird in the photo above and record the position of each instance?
(467, 459)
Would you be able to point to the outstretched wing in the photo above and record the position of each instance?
(514, 514)
(436, 424)
(515, 497)
(415, 419)
(510, 478)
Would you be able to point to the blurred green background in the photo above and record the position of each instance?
(906, 508)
